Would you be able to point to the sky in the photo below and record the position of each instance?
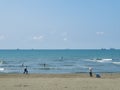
(59, 24)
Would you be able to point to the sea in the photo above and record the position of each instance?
(61, 61)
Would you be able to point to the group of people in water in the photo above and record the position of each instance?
(26, 70)
(90, 71)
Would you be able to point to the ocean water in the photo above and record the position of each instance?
(59, 61)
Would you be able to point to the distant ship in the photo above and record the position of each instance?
(17, 49)
(108, 49)
(103, 49)
(112, 49)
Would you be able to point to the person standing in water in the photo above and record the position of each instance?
(90, 71)
(25, 70)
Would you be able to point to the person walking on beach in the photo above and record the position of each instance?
(25, 70)
(90, 71)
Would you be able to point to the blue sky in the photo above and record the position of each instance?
(59, 24)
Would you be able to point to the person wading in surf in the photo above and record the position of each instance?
(25, 70)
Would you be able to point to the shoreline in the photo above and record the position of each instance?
(75, 75)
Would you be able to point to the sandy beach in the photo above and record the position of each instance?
(59, 82)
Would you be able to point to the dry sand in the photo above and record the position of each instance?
(59, 82)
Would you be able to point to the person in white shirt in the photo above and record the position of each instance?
(90, 71)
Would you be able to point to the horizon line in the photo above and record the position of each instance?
(61, 49)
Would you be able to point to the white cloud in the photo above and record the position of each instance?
(2, 37)
(65, 39)
(99, 33)
(64, 35)
(38, 37)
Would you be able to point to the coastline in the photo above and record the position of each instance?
(74, 75)
(82, 81)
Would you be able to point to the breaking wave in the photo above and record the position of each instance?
(100, 60)
(117, 63)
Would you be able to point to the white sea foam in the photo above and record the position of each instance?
(1, 69)
(118, 63)
(105, 60)
(91, 60)
(100, 60)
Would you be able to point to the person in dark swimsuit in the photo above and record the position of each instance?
(25, 70)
